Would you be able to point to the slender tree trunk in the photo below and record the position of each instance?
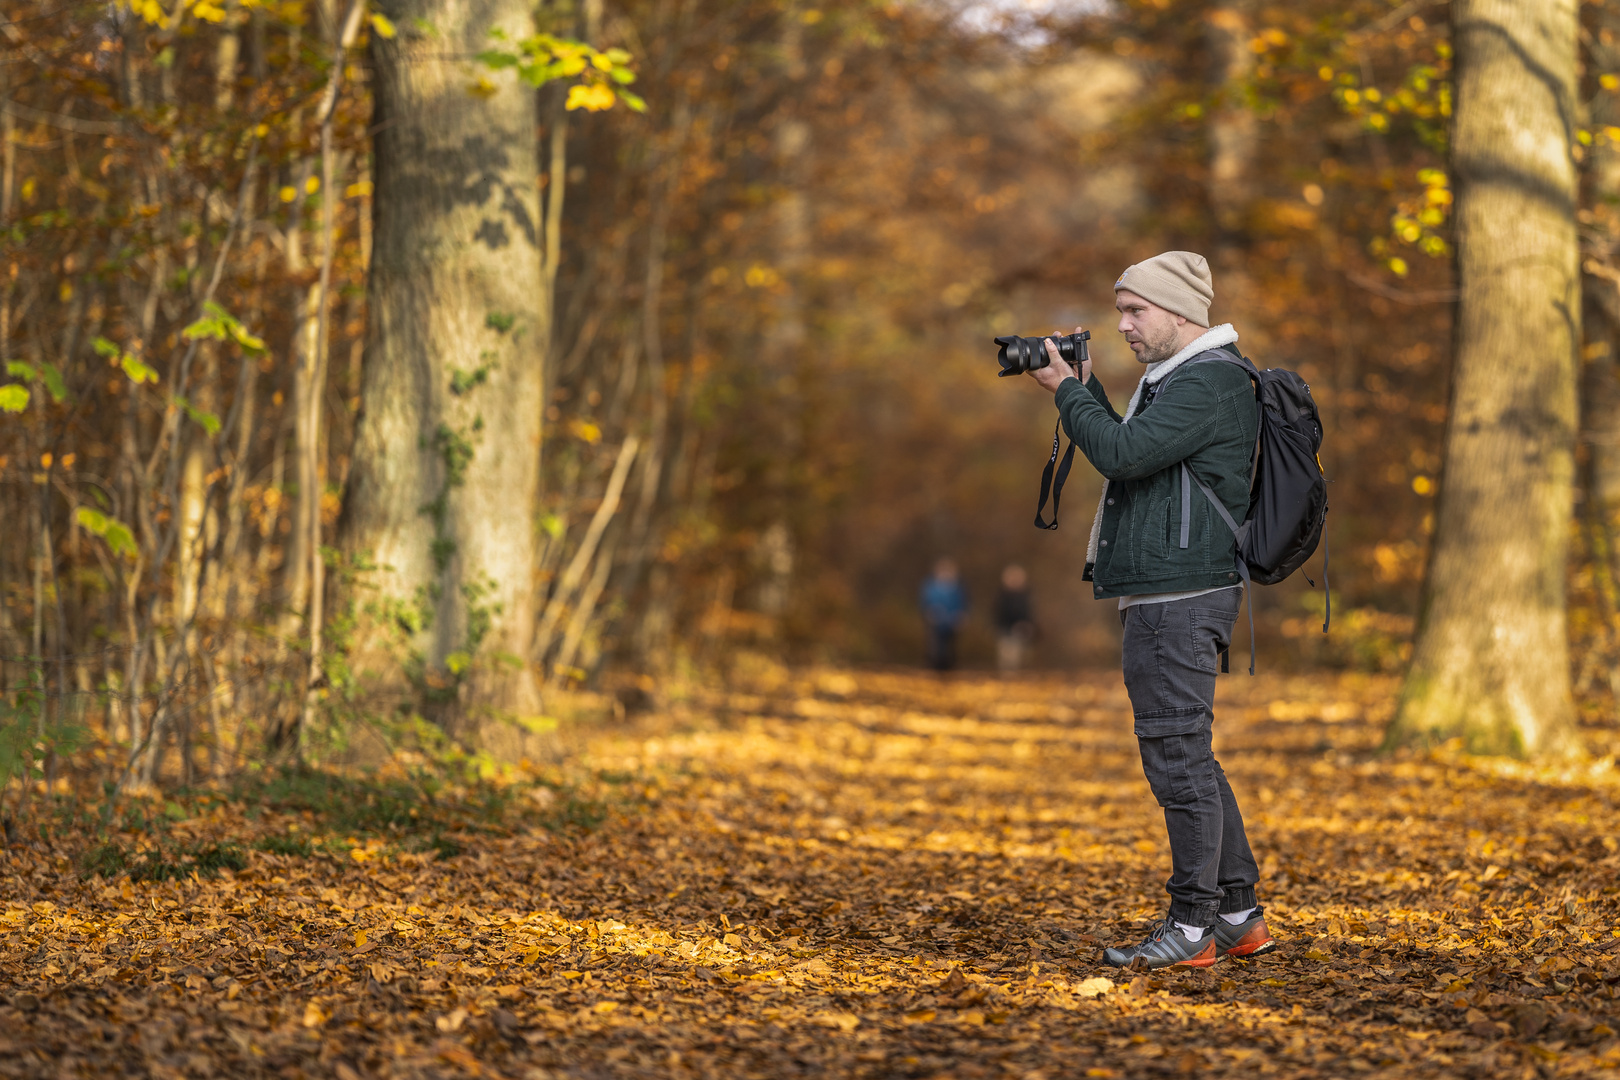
(1491, 663)
(445, 477)
(1234, 130)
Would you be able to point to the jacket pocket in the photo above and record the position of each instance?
(1151, 547)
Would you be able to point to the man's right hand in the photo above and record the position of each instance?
(1060, 367)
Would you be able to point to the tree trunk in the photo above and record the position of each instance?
(1234, 130)
(1491, 663)
(445, 477)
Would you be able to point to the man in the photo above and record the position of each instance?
(1015, 619)
(1163, 551)
(944, 603)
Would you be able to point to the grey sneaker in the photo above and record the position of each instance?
(1247, 938)
(1166, 946)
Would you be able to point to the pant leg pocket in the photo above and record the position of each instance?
(1177, 768)
(1210, 630)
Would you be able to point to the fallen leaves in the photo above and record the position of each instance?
(907, 875)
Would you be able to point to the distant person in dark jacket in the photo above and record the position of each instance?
(1015, 620)
(944, 603)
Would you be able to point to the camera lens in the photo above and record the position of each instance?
(1017, 355)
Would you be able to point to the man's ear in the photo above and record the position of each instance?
(1181, 320)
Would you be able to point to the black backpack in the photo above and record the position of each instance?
(1287, 491)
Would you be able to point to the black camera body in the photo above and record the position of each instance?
(1021, 354)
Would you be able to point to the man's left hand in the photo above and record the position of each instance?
(1057, 369)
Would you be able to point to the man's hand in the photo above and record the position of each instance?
(1058, 369)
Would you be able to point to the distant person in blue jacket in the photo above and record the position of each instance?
(944, 602)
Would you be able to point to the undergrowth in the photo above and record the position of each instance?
(308, 813)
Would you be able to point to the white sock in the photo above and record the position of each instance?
(1194, 934)
(1236, 918)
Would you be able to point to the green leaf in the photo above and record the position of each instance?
(221, 325)
(104, 347)
(53, 382)
(19, 370)
(632, 101)
(115, 532)
(495, 60)
(136, 370)
(206, 420)
(458, 662)
(13, 398)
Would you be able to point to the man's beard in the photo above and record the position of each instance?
(1156, 351)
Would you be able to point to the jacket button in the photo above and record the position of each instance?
(1230, 576)
(1103, 544)
(1110, 502)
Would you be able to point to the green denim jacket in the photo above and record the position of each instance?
(1204, 415)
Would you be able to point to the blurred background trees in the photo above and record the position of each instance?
(356, 379)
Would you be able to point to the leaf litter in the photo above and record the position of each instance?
(826, 874)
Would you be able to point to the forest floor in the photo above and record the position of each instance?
(836, 874)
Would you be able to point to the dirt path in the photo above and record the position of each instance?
(873, 875)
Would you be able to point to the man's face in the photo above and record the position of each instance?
(1153, 333)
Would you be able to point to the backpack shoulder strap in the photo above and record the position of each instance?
(1239, 531)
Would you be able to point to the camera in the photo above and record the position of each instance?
(1021, 354)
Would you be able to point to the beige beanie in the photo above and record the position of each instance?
(1177, 281)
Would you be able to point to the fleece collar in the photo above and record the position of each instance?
(1213, 338)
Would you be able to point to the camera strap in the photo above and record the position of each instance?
(1048, 487)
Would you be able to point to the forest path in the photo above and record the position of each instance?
(875, 875)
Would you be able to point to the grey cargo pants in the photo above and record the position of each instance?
(1172, 652)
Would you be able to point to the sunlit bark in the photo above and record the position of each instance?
(446, 460)
(1491, 662)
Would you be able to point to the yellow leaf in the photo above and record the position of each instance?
(1272, 982)
(288, 193)
(1094, 987)
(359, 939)
(843, 1021)
(920, 1016)
(382, 25)
(593, 97)
(312, 185)
(314, 1015)
(1317, 954)
(606, 1006)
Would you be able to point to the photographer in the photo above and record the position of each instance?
(1164, 553)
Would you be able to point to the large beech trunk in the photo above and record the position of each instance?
(1491, 662)
(447, 454)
